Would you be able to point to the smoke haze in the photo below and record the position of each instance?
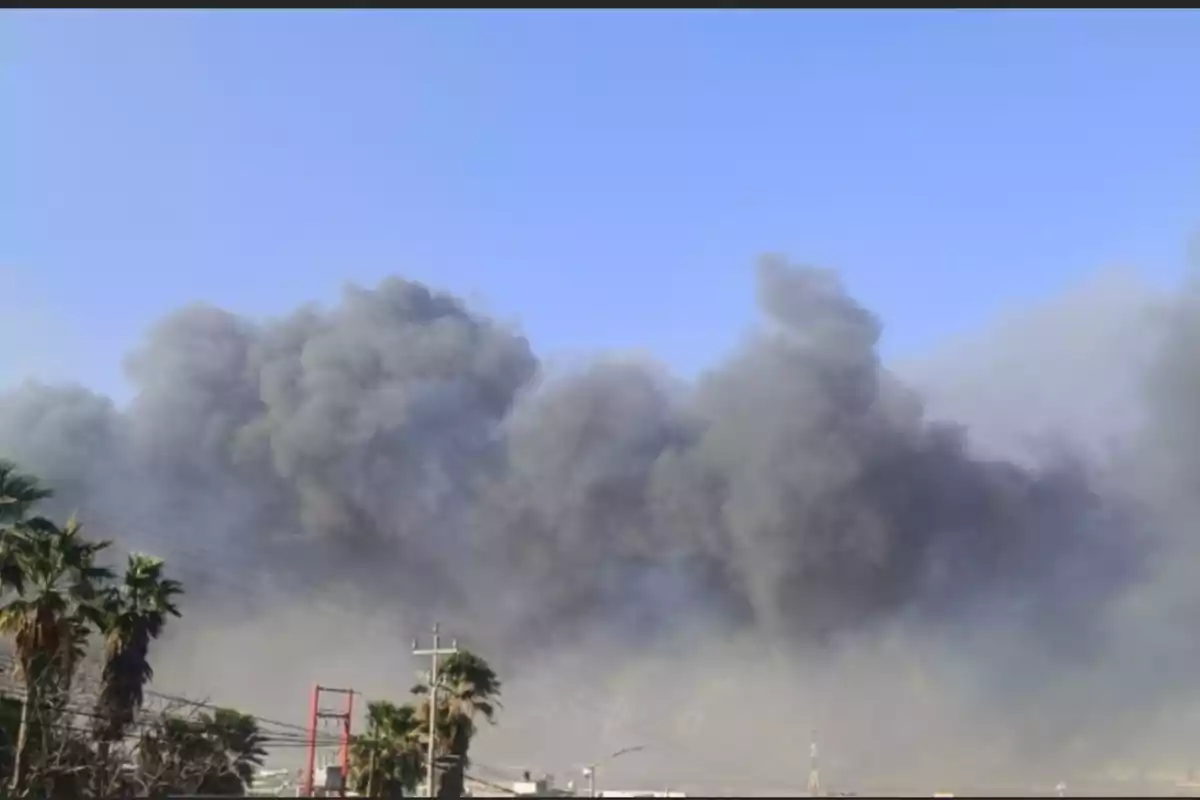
(979, 563)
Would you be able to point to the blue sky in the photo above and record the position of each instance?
(605, 179)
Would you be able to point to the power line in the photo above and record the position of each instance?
(7, 662)
(82, 703)
(186, 567)
(141, 724)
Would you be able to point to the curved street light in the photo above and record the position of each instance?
(589, 771)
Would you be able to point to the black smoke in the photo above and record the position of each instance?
(417, 451)
(798, 487)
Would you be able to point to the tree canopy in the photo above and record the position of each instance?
(68, 734)
(389, 759)
(59, 739)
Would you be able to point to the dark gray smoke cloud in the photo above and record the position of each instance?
(401, 451)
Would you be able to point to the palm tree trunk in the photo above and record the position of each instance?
(451, 785)
(100, 775)
(20, 758)
(453, 779)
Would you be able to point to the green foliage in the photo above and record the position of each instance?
(54, 597)
(468, 689)
(48, 614)
(215, 754)
(133, 613)
(388, 760)
(19, 494)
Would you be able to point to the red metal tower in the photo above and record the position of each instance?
(319, 714)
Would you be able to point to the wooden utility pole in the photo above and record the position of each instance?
(433, 653)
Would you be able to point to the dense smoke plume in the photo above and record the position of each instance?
(792, 541)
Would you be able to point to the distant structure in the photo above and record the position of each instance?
(528, 787)
(814, 776)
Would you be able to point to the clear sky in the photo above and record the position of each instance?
(606, 179)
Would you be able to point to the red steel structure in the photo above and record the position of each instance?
(319, 714)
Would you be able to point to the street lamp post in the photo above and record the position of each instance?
(589, 771)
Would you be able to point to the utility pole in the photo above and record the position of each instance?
(433, 653)
(814, 776)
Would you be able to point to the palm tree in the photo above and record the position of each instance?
(214, 754)
(239, 746)
(133, 615)
(387, 760)
(467, 690)
(47, 618)
(19, 494)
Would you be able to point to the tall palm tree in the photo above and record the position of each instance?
(19, 495)
(47, 618)
(133, 614)
(387, 760)
(468, 689)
